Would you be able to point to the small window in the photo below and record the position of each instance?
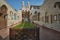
(55, 17)
(34, 7)
(38, 7)
(51, 18)
(45, 13)
(46, 19)
(11, 15)
(35, 12)
(38, 16)
(18, 17)
(15, 16)
(57, 4)
(1, 14)
(58, 17)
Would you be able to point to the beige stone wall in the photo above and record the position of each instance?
(34, 16)
(11, 12)
(20, 15)
(48, 9)
(10, 18)
(3, 2)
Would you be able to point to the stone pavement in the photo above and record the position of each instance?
(49, 34)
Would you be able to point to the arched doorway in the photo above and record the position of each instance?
(3, 14)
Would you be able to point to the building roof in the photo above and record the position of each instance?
(35, 6)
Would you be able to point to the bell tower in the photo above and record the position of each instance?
(29, 5)
(23, 5)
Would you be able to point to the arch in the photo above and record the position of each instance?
(4, 6)
(3, 9)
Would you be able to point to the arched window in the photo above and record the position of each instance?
(3, 9)
(15, 16)
(11, 15)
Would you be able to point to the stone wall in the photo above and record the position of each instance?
(50, 14)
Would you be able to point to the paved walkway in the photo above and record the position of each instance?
(49, 34)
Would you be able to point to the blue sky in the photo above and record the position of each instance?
(17, 4)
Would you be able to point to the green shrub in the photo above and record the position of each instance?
(25, 25)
